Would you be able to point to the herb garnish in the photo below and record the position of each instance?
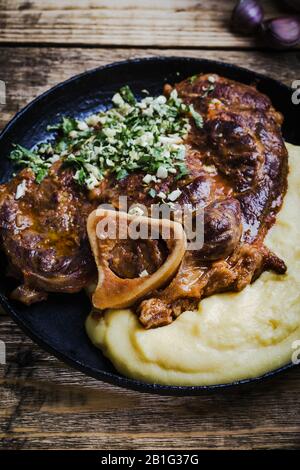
(146, 135)
(38, 164)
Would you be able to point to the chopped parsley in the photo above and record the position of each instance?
(146, 136)
(208, 90)
(127, 95)
(193, 78)
(29, 159)
(197, 117)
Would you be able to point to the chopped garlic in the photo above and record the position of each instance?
(174, 195)
(216, 101)
(93, 120)
(93, 170)
(82, 126)
(173, 139)
(109, 162)
(162, 195)
(147, 179)
(144, 273)
(54, 158)
(118, 100)
(109, 132)
(73, 134)
(161, 99)
(91, 182)
(162, 172)
(145, 139)
(209, 168)
(21, 190)
(148, 112)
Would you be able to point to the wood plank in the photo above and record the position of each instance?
(159, 23)
(47, 404)
(53, 65)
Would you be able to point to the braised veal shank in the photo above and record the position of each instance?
(238, 170)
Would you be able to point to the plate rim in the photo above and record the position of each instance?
(117, 378)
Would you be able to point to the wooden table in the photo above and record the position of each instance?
(43, 403)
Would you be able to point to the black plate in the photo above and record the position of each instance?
(58, 324)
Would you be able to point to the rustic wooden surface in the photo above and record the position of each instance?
(43, 403)
(160, 23)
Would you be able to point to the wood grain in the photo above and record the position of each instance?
(44, 403)
(29, 71)
(162, 23)
(47, 403)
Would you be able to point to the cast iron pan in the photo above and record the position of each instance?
(57, 325)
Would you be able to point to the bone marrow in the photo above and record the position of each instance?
(114, 291)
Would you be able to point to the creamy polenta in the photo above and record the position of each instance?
(232, 336)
